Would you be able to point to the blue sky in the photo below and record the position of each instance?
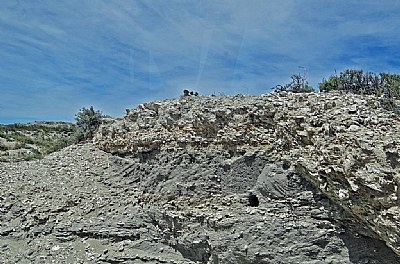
(58, 56)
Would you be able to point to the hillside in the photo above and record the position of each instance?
(170, 183)
(34, 140)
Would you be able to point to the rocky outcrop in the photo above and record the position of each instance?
(345, 144)
(170, 183)
(82, 205)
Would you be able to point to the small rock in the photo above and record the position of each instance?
(55, 248)
(352, 109)
(353, 128)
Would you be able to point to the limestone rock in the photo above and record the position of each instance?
(168, 184)
(340, 142)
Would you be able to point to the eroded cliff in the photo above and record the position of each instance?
(345, 144)
(169, 183)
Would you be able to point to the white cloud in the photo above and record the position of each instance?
(120, 53)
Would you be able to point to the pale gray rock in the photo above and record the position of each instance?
(168, 184)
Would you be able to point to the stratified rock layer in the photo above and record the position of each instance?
(347, 145)
(82, 205)
(169, 183)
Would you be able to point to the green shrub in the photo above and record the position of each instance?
(358, 82)
(386, 86)
(299, 84)
(40, 138)
(88, 121)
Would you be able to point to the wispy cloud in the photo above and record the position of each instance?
(59, 56)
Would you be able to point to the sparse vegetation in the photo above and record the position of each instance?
(299, 84)
(88, 121)
(386, 86)
(356, 81)
(35, 140)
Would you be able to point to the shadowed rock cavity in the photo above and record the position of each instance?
(253, 200)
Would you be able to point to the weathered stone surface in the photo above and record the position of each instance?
(343, 143)
(171, 182)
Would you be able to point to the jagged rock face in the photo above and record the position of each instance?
(83, 205)
(172, 179)
(346, 145)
